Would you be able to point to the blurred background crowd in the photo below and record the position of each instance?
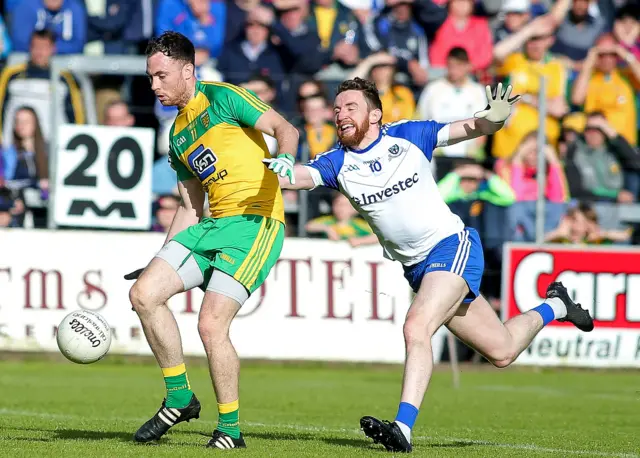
(430, 59)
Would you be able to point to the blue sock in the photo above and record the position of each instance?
(407, 414)
(546, 312)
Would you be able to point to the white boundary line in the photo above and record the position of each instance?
(309, 428)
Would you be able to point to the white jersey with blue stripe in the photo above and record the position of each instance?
(391, 185)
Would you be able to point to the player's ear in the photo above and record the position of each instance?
(375, 116)
(188, 71)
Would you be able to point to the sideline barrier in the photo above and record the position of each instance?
(323, 301)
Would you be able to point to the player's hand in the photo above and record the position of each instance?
(500, 104)
(283, 166)
(133, 275)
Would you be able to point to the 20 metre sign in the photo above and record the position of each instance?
(103, 177)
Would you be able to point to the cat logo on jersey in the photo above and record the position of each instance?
(205, 119)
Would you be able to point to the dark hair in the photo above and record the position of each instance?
(631, 10)
(368, 89)
(264, 79)
(458, 54)
(588, 211)
(41, 157)
(44, 33)
(595, 114)
(174, 45)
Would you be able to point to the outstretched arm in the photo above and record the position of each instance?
(486, 122)
(302, 179)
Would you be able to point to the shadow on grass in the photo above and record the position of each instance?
(72, 434)
(307, 436)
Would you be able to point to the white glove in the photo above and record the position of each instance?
(499, 107)
(283, 166)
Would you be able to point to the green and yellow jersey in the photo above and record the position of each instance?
(214, 139)
(355, 227)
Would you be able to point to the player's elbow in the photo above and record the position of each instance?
(289, 132)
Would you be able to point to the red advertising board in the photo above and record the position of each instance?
(605, 280)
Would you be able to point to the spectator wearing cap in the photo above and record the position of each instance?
(202, 21)
(67, 19)
(397, 33)
(455, 96)
(597, 162)
(515, 15)
(523, 70)
(397, 100)
(294, 34)
(577, 32)
(601, 87)
(252, 54)
(28, 83)
(463, 30)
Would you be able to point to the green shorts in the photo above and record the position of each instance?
(245, 247)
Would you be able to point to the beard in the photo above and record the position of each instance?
(354, 137)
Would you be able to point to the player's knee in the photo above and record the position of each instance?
(141, 298)
(418, 330)
(212, 328)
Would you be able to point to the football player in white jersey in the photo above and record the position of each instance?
(384, 171)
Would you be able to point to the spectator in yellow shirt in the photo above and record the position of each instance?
(343, 224)
(318, 133)
(397, 100)
(523, 70)
(600, 87)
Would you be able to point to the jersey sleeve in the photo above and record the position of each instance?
(241, 106)
(426, 135)
(325, 168)
(176, 164)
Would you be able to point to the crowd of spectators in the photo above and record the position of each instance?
(430, 59)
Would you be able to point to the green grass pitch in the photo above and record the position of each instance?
(58, 409)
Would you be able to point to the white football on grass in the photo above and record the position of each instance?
(84, 337)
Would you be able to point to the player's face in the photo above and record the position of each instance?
(168, 79)
(352, 117)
